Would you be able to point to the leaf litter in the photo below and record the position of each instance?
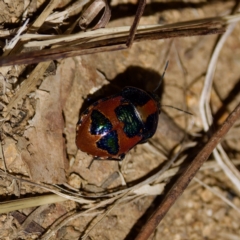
(44, 141)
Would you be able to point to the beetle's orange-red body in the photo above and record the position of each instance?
(112, 126)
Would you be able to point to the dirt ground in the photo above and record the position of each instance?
(38, 136)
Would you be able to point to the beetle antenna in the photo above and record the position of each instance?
(89, 166)
(177, 109)
(161, 79)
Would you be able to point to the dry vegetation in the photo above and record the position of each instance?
(46, 189)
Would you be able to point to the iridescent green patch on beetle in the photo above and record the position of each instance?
(109, 128)
(100, 124)
(109, 143)
(127, 115)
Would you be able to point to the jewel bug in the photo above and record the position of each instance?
(112, 126)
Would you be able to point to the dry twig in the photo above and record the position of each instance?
(103, 40)
(206, 115)
(183, 181)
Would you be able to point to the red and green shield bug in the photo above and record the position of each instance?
(112, 126)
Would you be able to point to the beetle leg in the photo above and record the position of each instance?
(120, 158)
(89, 166)
(133, 29)
(144, 141)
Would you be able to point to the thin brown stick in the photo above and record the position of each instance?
(183, 181)
(42, 56)
(133, 29)
(105, 45)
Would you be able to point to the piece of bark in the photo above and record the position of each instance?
(33, 227)
(45, 154)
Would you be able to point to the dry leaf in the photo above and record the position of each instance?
(92, 11)
(46, 153)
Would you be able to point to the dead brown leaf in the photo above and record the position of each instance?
(45, 154)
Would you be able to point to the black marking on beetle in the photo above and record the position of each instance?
(136, 96)
(100, 124)
(132, 124)
(95, 103)
(105, 99)
(122, 156)
(150, 126)
(109, 143)
(86, 112)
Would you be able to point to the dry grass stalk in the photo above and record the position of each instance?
(183, 181)
(206, 115)
(29, 202)
(111, 39)
(88, 43)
